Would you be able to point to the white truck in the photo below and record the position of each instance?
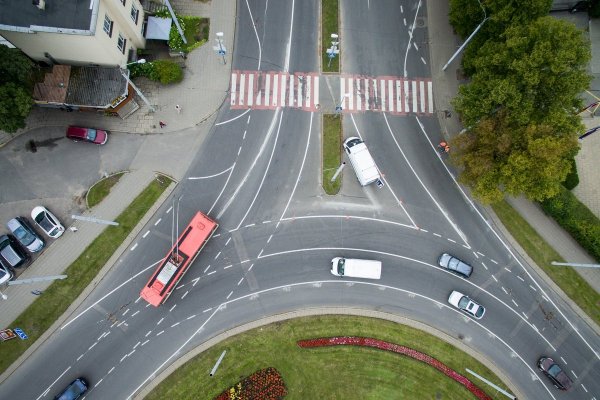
(362, 162)
(355, 268)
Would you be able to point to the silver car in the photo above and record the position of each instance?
(25, 234)
(466, 305)
(47, 222)
(5, 274)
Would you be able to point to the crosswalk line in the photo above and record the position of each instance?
(267, 88)
(430, 96)
(414, 96)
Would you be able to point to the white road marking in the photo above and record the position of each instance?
(146, 234)
(157, 221)
(133, 247)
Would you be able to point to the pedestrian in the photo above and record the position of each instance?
(73, 229)
(162, 124)
(178, 108)
(442, 147)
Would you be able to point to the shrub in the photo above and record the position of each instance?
(572, 179)
(576, 219)
(164, 71)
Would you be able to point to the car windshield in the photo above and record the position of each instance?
(341, 266)
(44, 221)
(479, 312)
(463, 302)
(72, 392)
(24, 237)
(554, 370)
(91, 135)
(453, 263)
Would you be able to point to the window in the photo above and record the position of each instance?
(108, 26)
(121, 43)
(134, 14)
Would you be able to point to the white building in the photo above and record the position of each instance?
(75, 32)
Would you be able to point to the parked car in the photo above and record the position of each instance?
(554, 372)
(74, 391)
(25, 234)
(47, 222)
(455, 265)
(5, 274)
(96, 136)
(465, 304)
(11, 253)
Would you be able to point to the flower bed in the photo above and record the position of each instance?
(382, 345)
(265, 384)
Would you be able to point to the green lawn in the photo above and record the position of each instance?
(332, 152)
(329, 25)
(542, 254)
(328, 373)
(54, 301)
(101, 189)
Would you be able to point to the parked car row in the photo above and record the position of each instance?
(23, 239)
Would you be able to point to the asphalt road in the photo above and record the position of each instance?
(258, 174)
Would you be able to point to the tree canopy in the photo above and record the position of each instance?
(520, 110)
(15, 88)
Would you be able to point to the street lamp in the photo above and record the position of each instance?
(338, 107)
(333, 50)
(468, 39)
(220, 49)
(138, 91)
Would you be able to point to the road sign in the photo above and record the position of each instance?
(20, 333)
(7, 334)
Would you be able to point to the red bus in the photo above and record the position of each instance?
(177, 262)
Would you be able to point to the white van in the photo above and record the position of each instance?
(363, 163)
(355, 268)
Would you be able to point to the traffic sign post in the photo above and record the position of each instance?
(220, 48)
(333, 50)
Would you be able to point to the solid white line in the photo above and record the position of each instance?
(221, 193)
(146, 234)
(255, 34)
(108, 294)
(234, 118)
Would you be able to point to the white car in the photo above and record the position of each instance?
(5, 274)
(465, 304)
(47, 221)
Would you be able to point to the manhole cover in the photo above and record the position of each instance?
(420, 23)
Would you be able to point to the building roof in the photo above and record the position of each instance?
(97, 87)
(57, 15)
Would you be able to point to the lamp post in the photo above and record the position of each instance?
(485, 18)
(333, 50)
(220, 48)
(338, 107)
(138, 91)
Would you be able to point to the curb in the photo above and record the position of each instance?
(157, 379)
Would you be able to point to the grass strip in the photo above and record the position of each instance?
(543, 254)
(329, 373)
(332, 157)
(329, 25)
(55, 300)
(102, 188)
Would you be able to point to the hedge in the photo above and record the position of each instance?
(576, 219)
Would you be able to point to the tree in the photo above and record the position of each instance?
(536, 74)
(15, 66)
(465, 15)
(498, 157)
(15, 105)
(16, 85)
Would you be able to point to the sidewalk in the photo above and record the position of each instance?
(443, 43)
(200, 95)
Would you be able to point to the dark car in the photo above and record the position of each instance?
(455, 265)
(25, 234)
(96, 136)
(554, 372)
(75, 389)
(11, 253)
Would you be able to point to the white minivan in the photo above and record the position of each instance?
(356, 268)
(362, 162)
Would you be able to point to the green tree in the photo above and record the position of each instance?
(15, 105)
(535, 74)
(497, 157)
(15, 67)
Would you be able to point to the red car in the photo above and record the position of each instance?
(96, 136)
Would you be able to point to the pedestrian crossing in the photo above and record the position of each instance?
(270, 90)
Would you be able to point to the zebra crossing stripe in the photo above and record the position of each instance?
(275, 89)
(366, 94)
(242, 89)
(391, 94)
(233, 86)
(382, 94)
(291, 92)
(316, 91)
(422, 91)
(398, 97)
(406, 104)
(351, 91)
(359, 93)
(267, 89)
(430, 96)
(342, 92)
(250, 89)
(414, 96)
(282, 93)
(307, 79)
